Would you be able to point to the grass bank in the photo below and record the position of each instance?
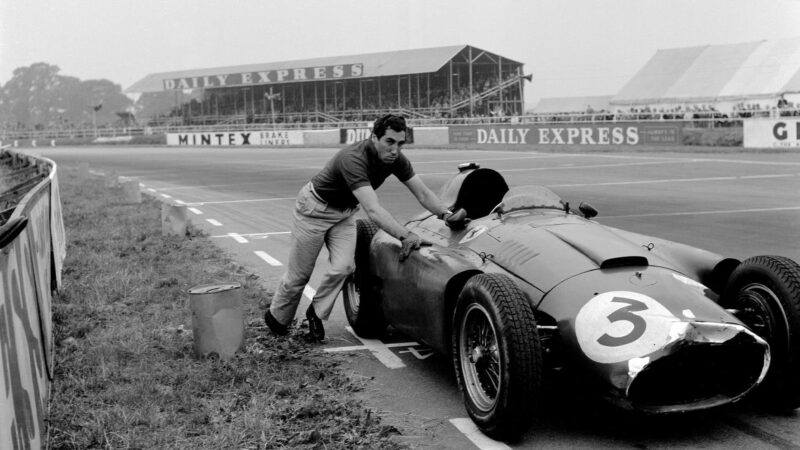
(125, 374)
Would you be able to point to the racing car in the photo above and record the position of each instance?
(531, 285)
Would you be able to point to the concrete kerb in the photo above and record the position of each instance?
(174, 217)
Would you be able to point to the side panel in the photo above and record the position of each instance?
(413, 290)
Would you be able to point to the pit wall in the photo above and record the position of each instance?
(32, 251)
(502, 135)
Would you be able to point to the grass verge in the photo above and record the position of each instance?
(125, 374)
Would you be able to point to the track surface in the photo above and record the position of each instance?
(735, 204)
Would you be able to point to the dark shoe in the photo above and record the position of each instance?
(315, 327)
(274, 325)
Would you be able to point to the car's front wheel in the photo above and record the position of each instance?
(361, 305)
(497, 355)
(764, 293)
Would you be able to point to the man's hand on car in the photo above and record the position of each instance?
(411, 242)
(457, 219)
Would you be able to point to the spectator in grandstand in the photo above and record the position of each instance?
(324, 214)
(782, 102)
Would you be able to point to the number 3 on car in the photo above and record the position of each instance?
(634, 325)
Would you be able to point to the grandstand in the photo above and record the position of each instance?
(731, 78)
(441, 82)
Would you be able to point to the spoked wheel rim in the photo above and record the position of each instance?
(351, 294)
(479, 356)
(761, 310)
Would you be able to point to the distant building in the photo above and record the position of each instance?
(454, 81)
(723, 77)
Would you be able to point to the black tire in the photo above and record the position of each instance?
(497, 355)
(361, 304)
(765, 293)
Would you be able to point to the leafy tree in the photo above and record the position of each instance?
(37, 97)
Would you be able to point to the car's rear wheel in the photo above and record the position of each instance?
(764, 293)
(361, 304)
(497, 355)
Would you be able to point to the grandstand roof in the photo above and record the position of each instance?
(399, 62)
(716, 73)
(572, 104)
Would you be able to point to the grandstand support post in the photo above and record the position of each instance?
(500, 82)
(471, 100)
(521, 91)
(450, 81)
(272, 96)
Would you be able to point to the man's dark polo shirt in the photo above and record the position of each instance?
(354, 166)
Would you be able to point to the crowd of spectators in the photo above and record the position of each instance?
(705, 112)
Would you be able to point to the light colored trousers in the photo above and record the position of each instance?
(316, 223)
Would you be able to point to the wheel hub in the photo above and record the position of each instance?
(477, 354)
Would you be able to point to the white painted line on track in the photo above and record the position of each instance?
(166, 195)
(678, 180)
(151, 190)
(180, 202)
(592, 166)
(255, 235)
(196, 211)
(242, 201)
(266, 257)
(380, 351)
(142, 185)
(351, 348)
(236, 237)
(692, 213)
(214, 222)
(471, 431)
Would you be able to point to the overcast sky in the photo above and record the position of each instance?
(572, 47)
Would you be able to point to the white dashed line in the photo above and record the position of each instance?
(151, 190)
(253, 235)
(196, 211)
(166, 195)
(351, 348)
(471, 431)
(180, 202)
(238, 238)
(242, 201)
(269, 259)
(380, 351)
(214, 222)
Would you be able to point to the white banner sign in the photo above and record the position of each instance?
(781, 132)
(271, 138)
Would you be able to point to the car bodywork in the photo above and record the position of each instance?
(639, 315)
(656, 326)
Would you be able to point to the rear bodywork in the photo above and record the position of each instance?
(638, 315)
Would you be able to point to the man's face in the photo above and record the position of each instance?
(388, 146)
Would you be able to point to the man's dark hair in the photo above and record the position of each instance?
(396, 123)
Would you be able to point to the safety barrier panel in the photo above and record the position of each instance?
(32, 252)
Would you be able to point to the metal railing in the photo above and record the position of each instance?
(699, 119)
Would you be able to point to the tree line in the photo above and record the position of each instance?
(38, 97)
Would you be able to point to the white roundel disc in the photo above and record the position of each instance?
(619, 325)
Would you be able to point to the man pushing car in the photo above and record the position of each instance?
(324, 214)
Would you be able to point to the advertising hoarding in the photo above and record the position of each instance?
(269, 138)
(783, 132)
(614, 133)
